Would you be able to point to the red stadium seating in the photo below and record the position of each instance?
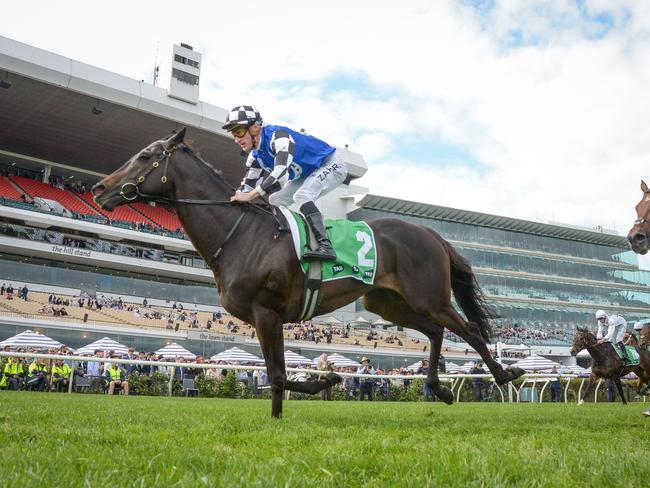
(160, 215)
(124, 213)
(39, 189)
(7, 190)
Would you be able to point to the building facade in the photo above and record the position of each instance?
(543, 280)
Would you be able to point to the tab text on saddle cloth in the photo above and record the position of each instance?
(354, 242)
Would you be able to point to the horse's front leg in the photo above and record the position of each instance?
(268, 325)
(619, 387)
(590, 386)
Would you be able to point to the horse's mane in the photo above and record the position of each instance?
(188, 147)
(189, 144)
(584, 330)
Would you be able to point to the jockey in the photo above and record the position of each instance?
(302, 169)
(638, 327)
(637, 331)
(615, 330)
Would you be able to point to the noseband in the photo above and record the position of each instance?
(166, 154)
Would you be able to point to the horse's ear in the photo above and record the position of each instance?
(177, 138)
(644, 187)
(582, 329)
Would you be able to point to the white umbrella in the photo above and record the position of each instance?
(520, 347)
(331, 321)
(467, 367)
(174, 350)
(293, 359)
(382, 322)
(236, 355)
(415, 366)
(340, 361)
(535, 363)
(575, 369)
(361, 320)
(451, 368)
(105, 344)
(29, 339)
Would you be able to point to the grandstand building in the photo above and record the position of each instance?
(544, 280)
(66, 124)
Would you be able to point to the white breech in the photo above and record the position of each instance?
(317, 184)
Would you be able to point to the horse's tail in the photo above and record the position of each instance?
(468, 293)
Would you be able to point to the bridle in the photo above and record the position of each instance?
(165, 158)
(136, 185)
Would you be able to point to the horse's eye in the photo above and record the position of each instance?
(145, 156)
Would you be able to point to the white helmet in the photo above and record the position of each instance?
(601, 314)
(638, 325)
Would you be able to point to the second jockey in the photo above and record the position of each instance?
(616, 326)
(302, 168)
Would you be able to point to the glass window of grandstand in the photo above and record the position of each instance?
(99, 245)
(475, 234)
(503, 260)
(596, 295)
(95, 280)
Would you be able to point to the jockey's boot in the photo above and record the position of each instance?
(325, 251)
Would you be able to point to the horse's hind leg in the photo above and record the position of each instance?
(642, 383)
(392, 307)
(313, 387)
(441, 392)
(268, 326)
(470, 332)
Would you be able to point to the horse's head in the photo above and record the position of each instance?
(144, 173)
(638, 235)
(582, 339)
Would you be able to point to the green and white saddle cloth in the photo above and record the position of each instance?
(354, 243)
(632, 356)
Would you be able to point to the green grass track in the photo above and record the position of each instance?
(61, 440)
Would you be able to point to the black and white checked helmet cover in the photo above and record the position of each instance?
(242, 115)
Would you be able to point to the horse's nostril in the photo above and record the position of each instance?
(639, 237)
(97, 190)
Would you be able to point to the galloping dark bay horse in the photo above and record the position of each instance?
(606, 363)
(259, 278)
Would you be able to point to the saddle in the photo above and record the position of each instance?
(632, 359)
(354, 242)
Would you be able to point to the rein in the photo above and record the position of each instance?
(165, 157)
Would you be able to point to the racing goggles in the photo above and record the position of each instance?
(239, 131)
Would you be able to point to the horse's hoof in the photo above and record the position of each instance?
(446, 395)
(333, 378)
(516, 373)
(580, 402)
(508, 375)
